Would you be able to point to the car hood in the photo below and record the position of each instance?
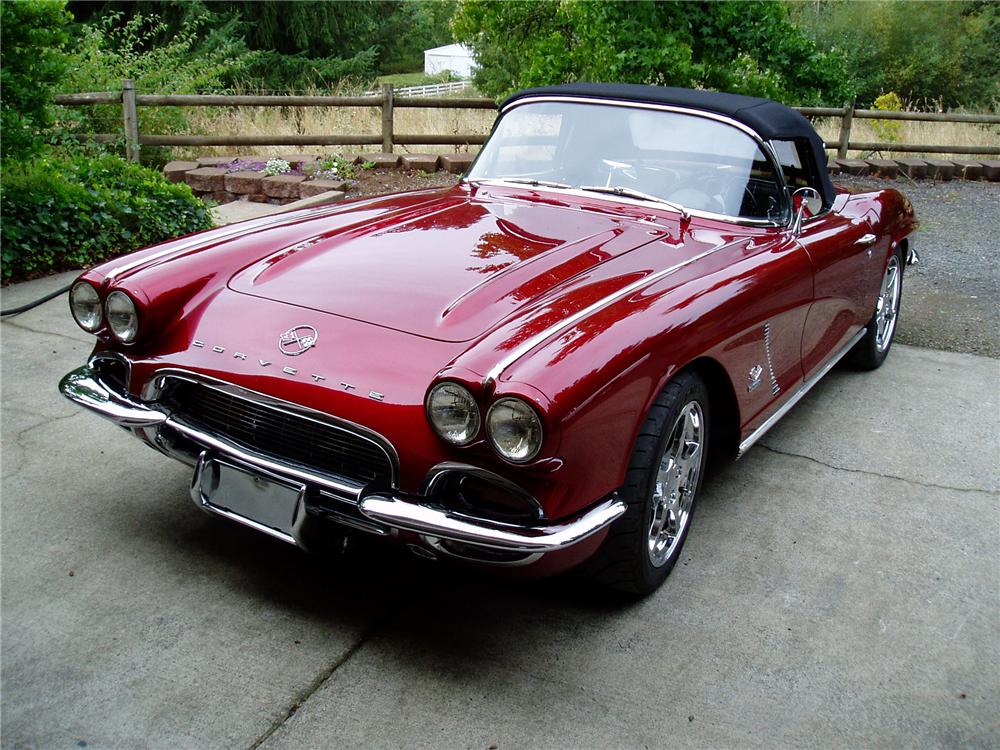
(456, 269)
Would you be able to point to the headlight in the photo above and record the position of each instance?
(514, 429)
(453, 413)
(85, 304)
(122, 317)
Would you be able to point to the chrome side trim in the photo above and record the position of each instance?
(775, 388)
(539, 338)
(802, 391)
(430, 520)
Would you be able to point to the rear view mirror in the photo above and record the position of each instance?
(806, 202)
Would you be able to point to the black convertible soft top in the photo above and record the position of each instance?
(769, 119)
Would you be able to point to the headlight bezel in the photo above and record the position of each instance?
(81, 285)
(461, 391)
(129, 334)
(539, 426)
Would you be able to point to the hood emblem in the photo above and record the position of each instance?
(297, 340)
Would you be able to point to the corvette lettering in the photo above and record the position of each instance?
(306, 341)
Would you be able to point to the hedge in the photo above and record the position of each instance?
(60, 213)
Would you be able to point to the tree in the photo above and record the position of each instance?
(945, 52)
(32, 35)
(743, 47)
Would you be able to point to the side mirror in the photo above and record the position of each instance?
(806, 202)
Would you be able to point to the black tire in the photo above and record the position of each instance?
(625, 561)
(870, 352)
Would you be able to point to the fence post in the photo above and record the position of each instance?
(845, 130)
(387, 118)
(131, 120)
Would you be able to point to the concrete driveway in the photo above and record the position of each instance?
(840, 588)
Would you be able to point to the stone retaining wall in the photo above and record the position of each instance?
(210, 176)
(214, 176)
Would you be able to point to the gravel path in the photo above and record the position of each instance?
(951, 300)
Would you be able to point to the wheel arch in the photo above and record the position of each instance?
(724, 426)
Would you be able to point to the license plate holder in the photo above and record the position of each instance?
(255, 498)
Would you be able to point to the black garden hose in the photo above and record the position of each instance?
(36, 303)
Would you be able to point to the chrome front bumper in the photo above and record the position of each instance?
(387, 511)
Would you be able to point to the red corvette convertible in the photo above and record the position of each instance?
(528, 369)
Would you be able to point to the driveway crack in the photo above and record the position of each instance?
(14, 324)
(928, 485)
(318, 682)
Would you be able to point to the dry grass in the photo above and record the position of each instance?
(367, 121)
(910, 131)
(332, 121)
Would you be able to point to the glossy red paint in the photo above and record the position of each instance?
(475, 284)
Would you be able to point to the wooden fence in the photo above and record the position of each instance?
(388, 101)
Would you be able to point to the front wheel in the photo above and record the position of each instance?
(662, 484)
(870, 352)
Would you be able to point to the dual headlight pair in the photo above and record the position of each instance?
(512, 425)
(118, 309)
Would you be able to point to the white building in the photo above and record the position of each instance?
(454, 57)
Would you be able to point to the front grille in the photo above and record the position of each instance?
(280, 434)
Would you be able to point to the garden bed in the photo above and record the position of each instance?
(286, 179)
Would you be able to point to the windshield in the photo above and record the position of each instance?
(645, 154)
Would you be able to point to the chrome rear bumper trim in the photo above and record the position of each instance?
(393, 510)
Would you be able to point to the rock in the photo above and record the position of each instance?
(833, 169)
(855, 167)
(939, 169)
(315, 187)
(991, 170)
(456, 163)
(282, 185)
(223, 196)
(380, 160)
(258, 198)
(914, 168)
(329, 196)
(244, 183)
(968, 170)
(296, 160)
(175, 170)
(214, 161)
(423, 162)
(206, 179)
(883, 167)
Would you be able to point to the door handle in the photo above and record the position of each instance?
(865, 239)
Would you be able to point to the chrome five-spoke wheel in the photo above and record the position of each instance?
(887, 305)
(873, 347)
(661, 490)
(676, 483)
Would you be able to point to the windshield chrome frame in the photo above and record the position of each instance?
(764, 147)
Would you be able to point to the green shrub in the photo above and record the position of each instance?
(32, 35)
(60, 213)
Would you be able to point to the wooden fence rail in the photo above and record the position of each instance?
(388, 101)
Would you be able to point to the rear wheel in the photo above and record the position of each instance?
(662, 484)
(870, 352)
